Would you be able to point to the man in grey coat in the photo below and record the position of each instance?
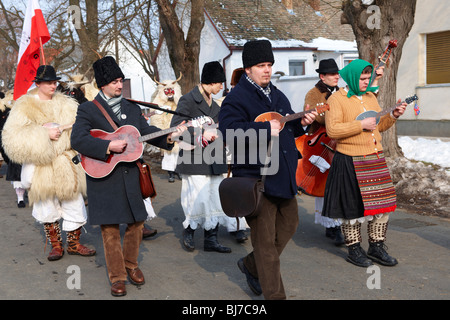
(201, 175)
(116, 198)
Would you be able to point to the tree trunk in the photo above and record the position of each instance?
(374, 25)
(89, 36)
(183, 53)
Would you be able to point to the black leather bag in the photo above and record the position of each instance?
(240, 196)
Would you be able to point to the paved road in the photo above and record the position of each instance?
(312, 267)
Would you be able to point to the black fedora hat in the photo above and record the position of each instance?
(327, 66)
(46, 73)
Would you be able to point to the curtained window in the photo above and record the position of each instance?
(438, 57)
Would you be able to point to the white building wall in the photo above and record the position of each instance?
(434, 100)
(142, 86)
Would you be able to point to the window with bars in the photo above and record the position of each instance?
(438, 57)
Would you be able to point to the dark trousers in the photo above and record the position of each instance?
(117, 257)
(271, 230)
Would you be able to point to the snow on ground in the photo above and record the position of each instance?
(422, 177)
(433, 150)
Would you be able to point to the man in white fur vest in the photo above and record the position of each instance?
(34, 136)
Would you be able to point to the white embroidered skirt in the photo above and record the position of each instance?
(201, 203)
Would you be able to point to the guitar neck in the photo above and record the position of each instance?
(374, 75)
(65, 127)
(157, 134)
(294, 116)
(381, 64)
(386, 111)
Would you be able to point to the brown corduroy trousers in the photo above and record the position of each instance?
(119, 257)
(271, 230)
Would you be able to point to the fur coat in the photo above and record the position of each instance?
(26, 141)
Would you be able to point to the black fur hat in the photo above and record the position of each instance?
(106, 70)
(212, 73)
(257, 51)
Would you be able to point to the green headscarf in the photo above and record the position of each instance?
(351, 74)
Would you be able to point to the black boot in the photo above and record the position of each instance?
(188, 239)
(171, 177)
(357, 256)
(377, 252)
(339, 239)
(335, 234)
(210, 242)
(330, 233)
(239, 235)
(177, 175)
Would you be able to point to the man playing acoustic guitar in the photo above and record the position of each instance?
(115, 198)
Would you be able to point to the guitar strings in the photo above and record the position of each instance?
(310, 175)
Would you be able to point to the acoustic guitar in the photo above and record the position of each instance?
(97, 168)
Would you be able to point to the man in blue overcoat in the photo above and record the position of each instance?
(277, 218)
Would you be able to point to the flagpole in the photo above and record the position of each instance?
(42, 51)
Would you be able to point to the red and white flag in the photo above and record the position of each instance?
(34, 35)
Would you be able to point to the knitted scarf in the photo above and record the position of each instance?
(351, 74)
(114, 103)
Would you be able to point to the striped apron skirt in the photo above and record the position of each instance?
(358, 186)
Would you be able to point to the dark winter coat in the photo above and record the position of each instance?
(194, 105)
(14, 169)
(115, 198)
(239, 110)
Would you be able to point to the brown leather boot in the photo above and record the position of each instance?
(75, 247)
(53, 233)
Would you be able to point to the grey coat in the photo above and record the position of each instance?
(199, 161)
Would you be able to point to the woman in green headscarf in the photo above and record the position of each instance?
(366, 193)
(351, 75)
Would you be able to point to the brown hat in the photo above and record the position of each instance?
(236, 76)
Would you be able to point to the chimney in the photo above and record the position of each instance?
(288, 4)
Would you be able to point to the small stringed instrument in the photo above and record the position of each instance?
(267, 116)
(378, 115)
(57, 125)
(96, 168)
(383, 59)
